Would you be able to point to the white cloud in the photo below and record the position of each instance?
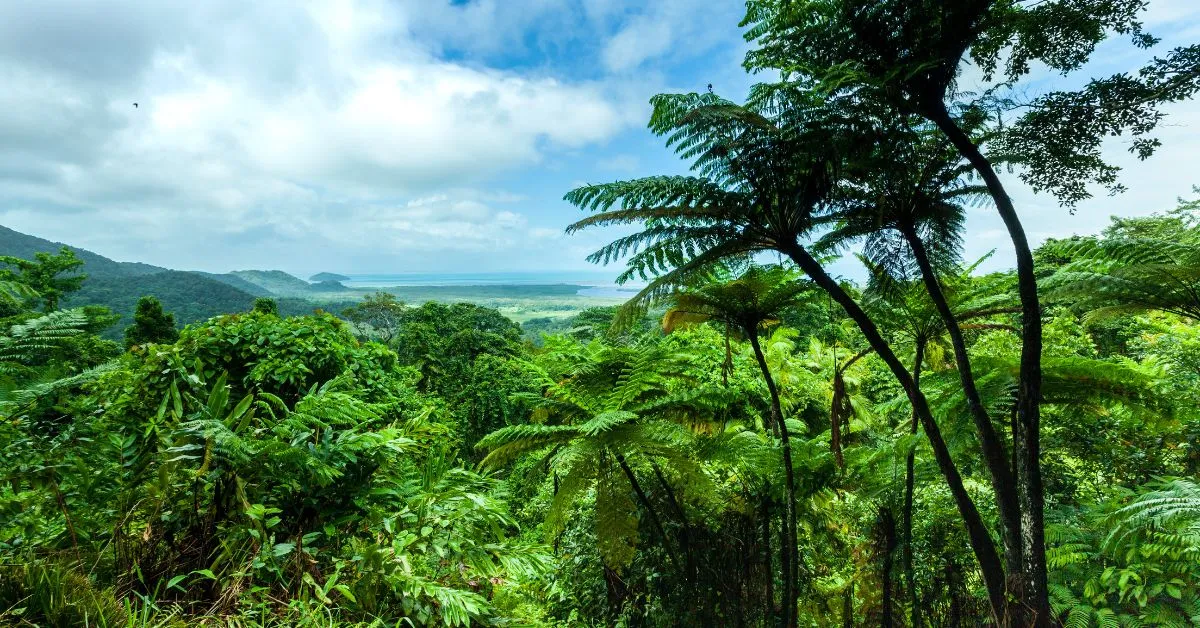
(311, 122)
(642, 39)
(380, 135)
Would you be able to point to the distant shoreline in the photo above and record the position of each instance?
(495, 289)
(595, 286)
(586, 279)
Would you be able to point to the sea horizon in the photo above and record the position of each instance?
(591, 279)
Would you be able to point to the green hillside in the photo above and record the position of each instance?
(237, 282)
(328, 277)
(190, 296)
(24, 246)
(274, 281)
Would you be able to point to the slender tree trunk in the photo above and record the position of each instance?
(1027, 448)
(768, 569)
(789, 553)
(615, 593)
(835, 417)
(685, 530)
(888, 521)
(848, 606)
(641, 495)
(1003, 481)
(909, 487)
(977, 532)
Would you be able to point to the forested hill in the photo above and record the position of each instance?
(191, 295)
(96, 266)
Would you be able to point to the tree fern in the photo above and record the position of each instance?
(1171, 513)
(1121, 274)
(30, 340)
(603, 409)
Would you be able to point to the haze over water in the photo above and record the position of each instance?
(594, 284)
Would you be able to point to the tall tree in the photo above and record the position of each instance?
(906, 54)
(748, 303)
(904, 307)
(603, 411)
(150, 324)
(905, 202)
(44, 275)
(378, 316)
(768, 171)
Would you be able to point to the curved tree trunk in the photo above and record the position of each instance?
(1027, 447)
(994, 455)
(789, 553)
(977, 532)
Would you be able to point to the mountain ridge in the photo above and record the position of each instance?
(191, 295)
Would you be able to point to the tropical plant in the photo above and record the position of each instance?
(150, 324)
(1133, 562)
(1122, 272)
(769, 170)
(41, 277)
(747, 303)
(603, 406)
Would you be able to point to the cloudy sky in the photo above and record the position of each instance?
(395, 135)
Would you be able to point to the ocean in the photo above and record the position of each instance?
(591, 283)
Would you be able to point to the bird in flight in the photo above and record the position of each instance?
(709, 90)
(135, 105)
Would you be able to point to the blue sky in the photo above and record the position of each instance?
(398, 135)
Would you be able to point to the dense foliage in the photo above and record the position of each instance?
(741, 444)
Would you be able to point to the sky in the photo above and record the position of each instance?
(392, 136)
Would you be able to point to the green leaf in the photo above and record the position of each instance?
(207, 573)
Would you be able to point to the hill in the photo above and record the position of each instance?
(319, 277)
(327, 286)
(22, 245)
(195, 296)
(237, 282)
(190, 296)
(275, 282)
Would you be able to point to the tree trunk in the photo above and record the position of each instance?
(1034, 595)
(848, 606)
(977, 531)
(994, 455)
(835, 417)
(685, 530)
(768, 570)
(909, 487)
(641, 495)
(615, 593)
(789, 553)
(888, 521)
